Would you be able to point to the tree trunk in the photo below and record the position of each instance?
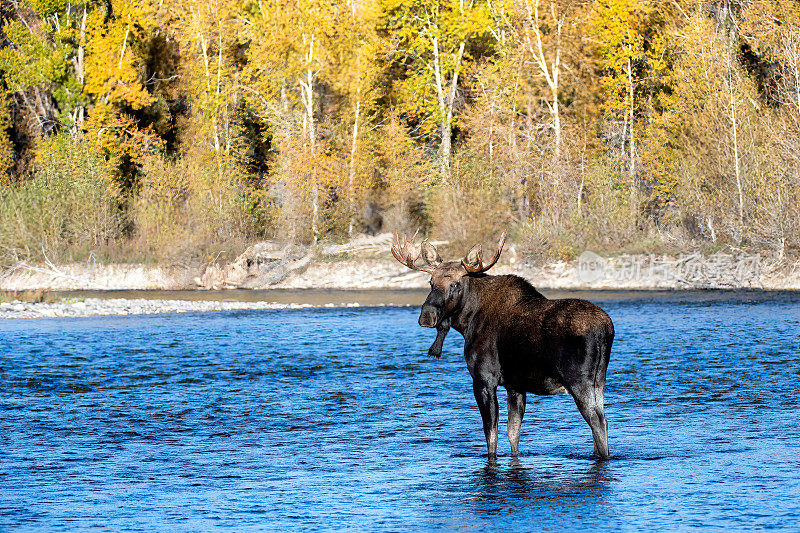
(307, 90)
(81, 76)
(550, 73)
(491, 133)
(446, 101)
(352, 170)
(124, 44)
(737, 171)
(451, 96)
(632, 168)
(207, 66)
(444, 130)
(220, 100)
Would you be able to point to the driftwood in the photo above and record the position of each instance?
(364, 243)
(268, 263)
(360, 243)
(51, 270)
(261, 265)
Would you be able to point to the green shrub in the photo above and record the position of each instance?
(66, 208)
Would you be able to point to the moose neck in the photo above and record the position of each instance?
(463, 316)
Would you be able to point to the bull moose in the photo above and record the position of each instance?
(515, 337)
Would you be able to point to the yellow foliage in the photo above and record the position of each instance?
(405, 172)
(116, 135)
(229, 119)
(114, 73)
(188, 207)
(69, 203)
(113, 69)
(772, 28)
(429, 38)
(619, 29)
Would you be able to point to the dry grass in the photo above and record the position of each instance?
(30, 296)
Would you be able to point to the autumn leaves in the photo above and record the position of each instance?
(601, 123)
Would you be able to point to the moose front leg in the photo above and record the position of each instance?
(441, 332)
(486, 396)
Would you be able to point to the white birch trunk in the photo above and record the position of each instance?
(307, 91)
(632, 168)
(352, 170)
(550, 72)
(81, 76)
(736, 168)
(444, 131)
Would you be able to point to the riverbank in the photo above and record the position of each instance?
(589, 272)
(85, 303)
(366, 263)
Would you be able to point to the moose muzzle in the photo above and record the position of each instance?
(429, 316)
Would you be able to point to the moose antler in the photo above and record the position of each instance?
(473, 262)
(407, 253)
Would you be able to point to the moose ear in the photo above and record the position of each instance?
(473, 257)
(429, 254)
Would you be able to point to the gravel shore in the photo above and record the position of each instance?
(121, 306)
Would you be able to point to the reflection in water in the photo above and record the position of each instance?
(497, 487)
(527, 493)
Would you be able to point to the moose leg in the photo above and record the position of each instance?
(486, 396)
(516, 410)
(590, 404)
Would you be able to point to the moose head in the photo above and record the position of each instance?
(447, 287)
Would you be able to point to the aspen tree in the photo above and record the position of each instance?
(42, 62)
(356, 75)
(709, 119)
(617, 27)
(430, 39)
(113, 73)
(547, 57)
(291, 55)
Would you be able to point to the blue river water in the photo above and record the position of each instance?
(335, 419)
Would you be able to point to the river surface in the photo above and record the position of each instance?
(335, 419)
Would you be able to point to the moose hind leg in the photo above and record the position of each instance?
(516, 410)
(590, 406)
(601, 414)
(486, 396)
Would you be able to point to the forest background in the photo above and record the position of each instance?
(167, 130)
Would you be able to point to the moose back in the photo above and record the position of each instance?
(516, 338)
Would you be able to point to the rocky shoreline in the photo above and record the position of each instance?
(123, 306)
